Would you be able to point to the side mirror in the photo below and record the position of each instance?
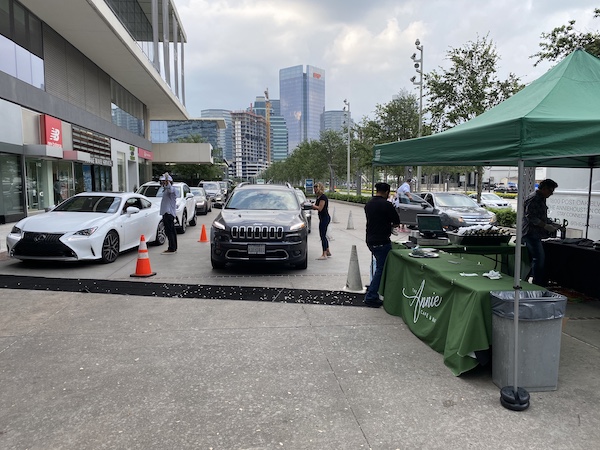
(425, 205)
(132, 210)
(307, 206)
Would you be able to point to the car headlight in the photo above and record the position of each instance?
(218, 225)
(492, 217)
(297, 226)
(16, 230)
(86, 232)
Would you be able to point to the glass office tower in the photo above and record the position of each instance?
(302, 96)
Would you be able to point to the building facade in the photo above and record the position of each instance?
(302, 96)
(277, 126)
(335, 121)
(75, 111)
(174, 131)
(225, 140)
(249, 145)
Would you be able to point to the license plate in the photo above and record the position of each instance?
(256, 249)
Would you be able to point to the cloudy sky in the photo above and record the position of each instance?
(235, 48)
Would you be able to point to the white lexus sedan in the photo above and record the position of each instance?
(87, 226)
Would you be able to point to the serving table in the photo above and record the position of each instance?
(448, 311)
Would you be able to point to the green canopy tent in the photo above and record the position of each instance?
(552, 122)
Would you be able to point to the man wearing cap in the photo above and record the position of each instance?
(381, 217)
(168, 209)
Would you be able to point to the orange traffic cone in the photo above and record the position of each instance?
(142, 269)
(203, 237)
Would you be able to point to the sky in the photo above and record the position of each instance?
(235, 48)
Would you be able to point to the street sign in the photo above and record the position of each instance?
(308, 186)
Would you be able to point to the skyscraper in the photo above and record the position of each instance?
(249, 145)
(302, 96)
(278, 128)
(226, 135)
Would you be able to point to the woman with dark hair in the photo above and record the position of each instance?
(321, 205)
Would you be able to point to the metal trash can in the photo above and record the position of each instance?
(540, 329)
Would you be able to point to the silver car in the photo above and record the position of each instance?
(458, 210)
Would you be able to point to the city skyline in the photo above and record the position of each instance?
(364, 47)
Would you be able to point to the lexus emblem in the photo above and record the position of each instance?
(39, 237)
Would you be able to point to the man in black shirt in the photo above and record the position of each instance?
(381, 218)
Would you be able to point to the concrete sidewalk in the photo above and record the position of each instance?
(89, 371)
(86, 371)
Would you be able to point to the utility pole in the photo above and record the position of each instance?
(268, 119)
(419, 68)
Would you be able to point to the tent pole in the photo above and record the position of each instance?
(513, 397)
(587, 219)
(517, 276)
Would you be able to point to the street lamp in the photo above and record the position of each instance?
(419, 68)
(347, 103)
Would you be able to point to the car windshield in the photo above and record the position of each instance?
(263, 199)
(210, 186)
(90, 203)
(156, 191)
(490, 197)
(454, 200)
(197, 191)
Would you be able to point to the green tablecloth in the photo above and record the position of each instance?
(449, 312)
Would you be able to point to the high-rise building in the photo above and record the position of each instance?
(249, 145)
(302, 96)
(279, 132)
(172, 131)
(225, 141)
(334, 120)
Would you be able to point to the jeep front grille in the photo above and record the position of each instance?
(257, 233)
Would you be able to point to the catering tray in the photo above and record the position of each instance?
(471, 239)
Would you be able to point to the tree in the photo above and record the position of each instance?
(468, 88)
(563, 40)
(394, 121)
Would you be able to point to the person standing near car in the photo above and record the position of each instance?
(322, 205)
(403, 195)
(381, 218)
(537, 226)
(168, 210)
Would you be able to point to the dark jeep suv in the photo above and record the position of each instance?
(260, 223)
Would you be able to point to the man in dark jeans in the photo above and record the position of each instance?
(168, 209)
(381, 218)
(537, 226)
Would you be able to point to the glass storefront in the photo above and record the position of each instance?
(11, 201)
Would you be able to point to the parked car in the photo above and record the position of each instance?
(87, 226)
(203, 202)
(213, 190)
(186, 205)
(458, 210)
(490, 200)
(408, 208)
(260, 223)
(506, 188)
(306, 212)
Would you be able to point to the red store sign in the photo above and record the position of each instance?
(51, 128)
(145, 154)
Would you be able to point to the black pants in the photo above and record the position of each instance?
(170, 231)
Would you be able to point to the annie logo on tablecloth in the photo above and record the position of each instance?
(419, 302)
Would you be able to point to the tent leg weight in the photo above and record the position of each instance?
(514, 400)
